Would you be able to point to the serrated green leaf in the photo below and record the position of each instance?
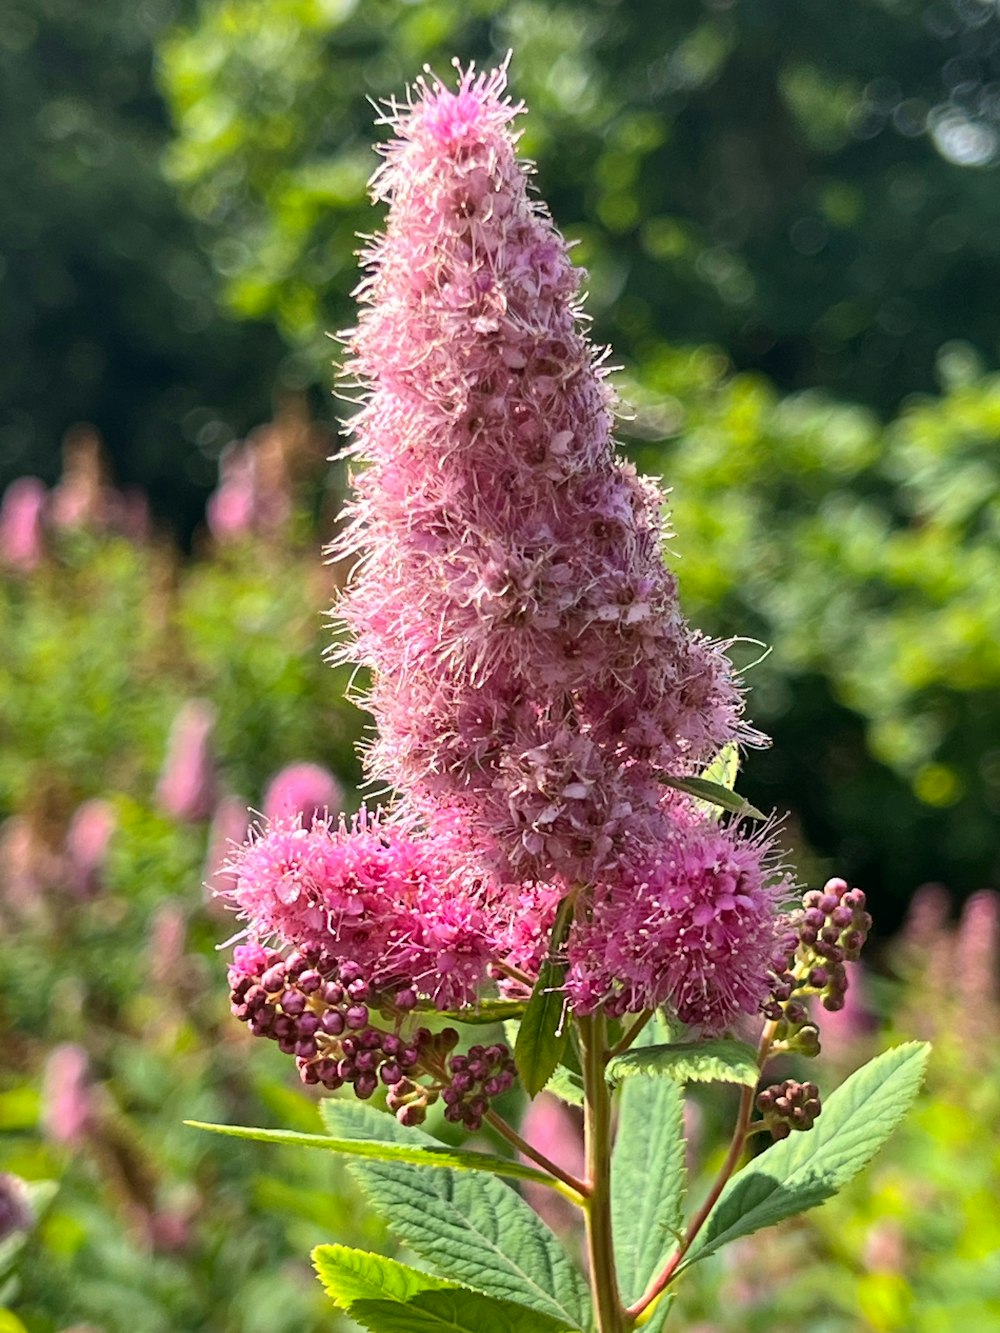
(471, 1228)
(647, 1177)
(439, 1155)
(807, 1168)
(720, 1061)
(350, 1275)
(715, 794)
(486, 1011)
(385, 1296)
(542, 1035)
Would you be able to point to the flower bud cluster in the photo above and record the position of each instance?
(319, 1009)
(789, 1105)
(483, 1073)
(825, 934)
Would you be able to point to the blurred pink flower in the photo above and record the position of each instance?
(302, 789)
(87, 840)
(22, 536)
(846, 1032)
(230, 825)
(187, 786)
(67, 1098)
(977, 964)
(551, 1127)
(231, 506)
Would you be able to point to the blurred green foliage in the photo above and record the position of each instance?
(111, 311)
(866, 557)
(152, 1227)
(809, 186)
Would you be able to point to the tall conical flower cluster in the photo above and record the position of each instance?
(532, 678)
(532, 671)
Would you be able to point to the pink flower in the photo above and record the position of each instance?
(87, 841)
(373, 893)
(302, 789)
(187, 786)
(230, 825)
(67, 1098)
(555, 1131)
(22, 536)
(692, 928)
(532, 670)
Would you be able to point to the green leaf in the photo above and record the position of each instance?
(721, 1061)
(715, 794)
(438, 1155)
(647, 1177)
(807, 1168)
(541, 1038)
(388, 1297)
(486, 1011)
(724, 768)
(565, 1082)
(471, 1228)
(351, 1275)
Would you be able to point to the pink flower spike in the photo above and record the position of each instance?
(531, 668)
(22, 536)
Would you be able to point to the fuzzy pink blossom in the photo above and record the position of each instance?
(22, 535)
(373, 893)
(692, 928)
(302, 789)
(187, 785)
(531, 668)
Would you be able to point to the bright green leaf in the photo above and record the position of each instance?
(470, 1227)
(438, 1155)
(647, 1177)
(807, 1168)
(566, 1082)
(385, 1296)
(720, 1061)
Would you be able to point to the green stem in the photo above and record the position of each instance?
(597, 1149)
(632, 1032)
